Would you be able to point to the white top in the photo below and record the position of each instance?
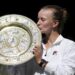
(61, 58)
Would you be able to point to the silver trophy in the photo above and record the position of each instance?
(18, 36)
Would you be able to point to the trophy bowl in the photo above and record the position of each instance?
(18, 36)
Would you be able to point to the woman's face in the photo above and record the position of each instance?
(45, 20)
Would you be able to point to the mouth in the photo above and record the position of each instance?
(39, 27)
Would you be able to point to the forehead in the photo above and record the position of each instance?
(45, 12)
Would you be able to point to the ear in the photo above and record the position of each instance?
(55, 23)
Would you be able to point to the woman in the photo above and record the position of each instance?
(58, 55)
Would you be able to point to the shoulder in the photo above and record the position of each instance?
(67, 46)
(68, 43)
(65, 41)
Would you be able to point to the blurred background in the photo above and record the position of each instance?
(30, 9)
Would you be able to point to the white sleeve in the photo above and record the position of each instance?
(64, 65)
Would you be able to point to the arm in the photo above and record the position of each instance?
(63, 66)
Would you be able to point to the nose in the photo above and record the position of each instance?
(38, 22)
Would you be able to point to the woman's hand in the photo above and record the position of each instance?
(37, 53)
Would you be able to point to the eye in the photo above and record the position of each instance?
(43, 19)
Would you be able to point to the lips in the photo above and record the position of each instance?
(40, 27)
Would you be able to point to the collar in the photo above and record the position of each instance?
(58, 40)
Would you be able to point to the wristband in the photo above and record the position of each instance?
(43, 63)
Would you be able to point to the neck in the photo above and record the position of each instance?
(50, 38)
(53, 36)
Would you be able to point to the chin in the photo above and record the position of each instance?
(43, 32)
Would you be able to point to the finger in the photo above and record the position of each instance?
(37, 44)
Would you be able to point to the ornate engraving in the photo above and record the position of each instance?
(18, 35)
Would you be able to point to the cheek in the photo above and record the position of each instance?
(45, 25)
(48, 27)
(45, 28)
